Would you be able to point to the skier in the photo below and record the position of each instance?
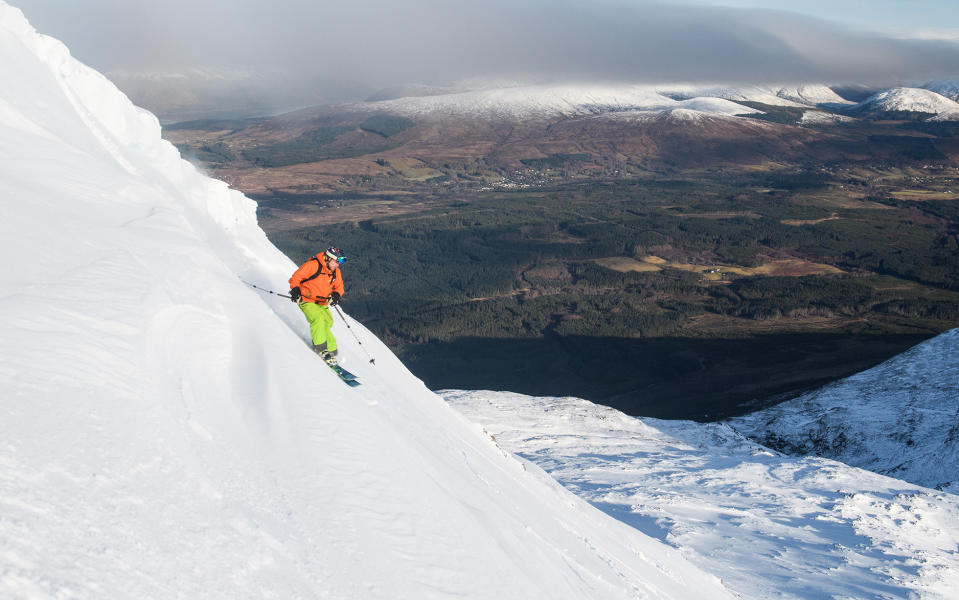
(315, 286)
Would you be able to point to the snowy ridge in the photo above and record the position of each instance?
(900, 418)
(165, 431)
(771, 526)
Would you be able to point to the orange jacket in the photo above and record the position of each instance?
(316, 281)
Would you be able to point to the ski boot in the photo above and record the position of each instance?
(329, 357)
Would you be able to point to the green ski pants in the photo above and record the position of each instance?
(321, 323)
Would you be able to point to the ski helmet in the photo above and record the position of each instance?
(336, 254)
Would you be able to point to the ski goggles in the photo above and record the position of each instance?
(335, 253)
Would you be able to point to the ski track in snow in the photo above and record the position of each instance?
(771, 526)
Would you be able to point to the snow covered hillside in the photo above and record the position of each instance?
(165, 431)
(771, 526)
(900, 418)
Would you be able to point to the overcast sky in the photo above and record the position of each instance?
(382, 43)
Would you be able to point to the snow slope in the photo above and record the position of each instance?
(900, 418)
(771, 526)
(166, 432)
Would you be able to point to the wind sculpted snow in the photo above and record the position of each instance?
(771, 526)
(165, 430)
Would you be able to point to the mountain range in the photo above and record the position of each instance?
(331, 148)
(208, 93)
(937, 99)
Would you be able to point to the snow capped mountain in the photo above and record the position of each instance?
(911, 100)
(165, 431)
(900, 418)
(771, 526)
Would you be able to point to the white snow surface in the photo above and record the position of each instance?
(772, 526)
(900, 418)
(166, 432)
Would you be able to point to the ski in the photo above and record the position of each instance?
(347, 377)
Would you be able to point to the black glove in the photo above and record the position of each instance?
(295, 294)
(334, 298)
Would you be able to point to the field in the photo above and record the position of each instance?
(776, 268)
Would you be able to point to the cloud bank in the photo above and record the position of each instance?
(363, 45)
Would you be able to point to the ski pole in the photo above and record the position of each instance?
(266, 290)
(355, 337)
